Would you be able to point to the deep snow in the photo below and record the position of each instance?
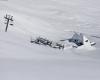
(55, 20)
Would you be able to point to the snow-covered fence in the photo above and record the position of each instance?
(46, 42)
(57, 45)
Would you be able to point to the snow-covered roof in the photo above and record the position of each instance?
(81, 38)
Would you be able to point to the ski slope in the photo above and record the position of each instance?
(53, 19)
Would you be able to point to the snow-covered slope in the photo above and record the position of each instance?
(53, 19)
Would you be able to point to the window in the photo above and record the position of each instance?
(86, 41)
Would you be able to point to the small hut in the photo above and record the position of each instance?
(79, 39)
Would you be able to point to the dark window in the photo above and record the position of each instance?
(86, 41)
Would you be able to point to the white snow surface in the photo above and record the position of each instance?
(53, 19)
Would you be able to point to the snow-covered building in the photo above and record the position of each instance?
(79, 39)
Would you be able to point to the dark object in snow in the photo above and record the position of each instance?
(93, 43)
(42, 41)
(8, 19)
(77, 42)
(46, 42)
(79, 39)
(57, 45)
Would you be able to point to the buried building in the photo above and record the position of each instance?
(79, 39)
